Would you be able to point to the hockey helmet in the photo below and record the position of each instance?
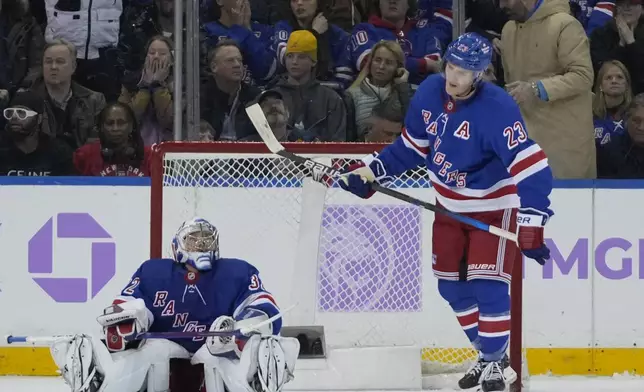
(196, 243)
(470, 51)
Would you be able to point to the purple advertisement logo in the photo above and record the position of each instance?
(41, 257)
(370, 259)
(581, 256)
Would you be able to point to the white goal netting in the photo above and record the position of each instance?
(360, 268)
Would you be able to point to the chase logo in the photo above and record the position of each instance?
(41, 257)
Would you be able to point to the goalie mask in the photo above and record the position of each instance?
(197, 244)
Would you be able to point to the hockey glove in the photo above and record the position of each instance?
(530, 235)
(233, 345)
(357, 178)
(223, 346)
(123, 321)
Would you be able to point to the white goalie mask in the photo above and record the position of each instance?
(197, 244)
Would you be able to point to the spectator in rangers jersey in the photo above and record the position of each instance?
(253, 39)
(622, 39)
(24, 150)
(225, 95)
(378, 100)
(419, 39)
(611, 101)
(70, 109)
(317, 112)
(624, 157)
(151, 96)
(333, 66)
(548, 72)
(440, 11)
(592, 13)
(119, 150)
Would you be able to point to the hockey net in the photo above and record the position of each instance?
(359, 268)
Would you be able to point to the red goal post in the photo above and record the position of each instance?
(360, 268)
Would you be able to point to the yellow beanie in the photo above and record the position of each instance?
(303, 41)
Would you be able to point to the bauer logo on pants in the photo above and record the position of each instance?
(41, 257)
(370, 259)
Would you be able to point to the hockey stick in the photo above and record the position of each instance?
(157, 335)
(260, 122)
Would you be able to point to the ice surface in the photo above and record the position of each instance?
(537, 384)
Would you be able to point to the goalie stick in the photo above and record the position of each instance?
(319, 170)
(157, 335)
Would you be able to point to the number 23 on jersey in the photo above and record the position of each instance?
(515, 135)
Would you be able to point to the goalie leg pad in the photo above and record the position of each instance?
(462, 299)
(152, 362)
(493, 299)
(276, 361)
(82, 361)
(131, 368)
(266, 365)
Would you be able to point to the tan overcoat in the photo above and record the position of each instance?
(552, 47)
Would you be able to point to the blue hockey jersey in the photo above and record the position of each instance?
(179, 303)
(477, 150)
(607, 129)
(418, 40)
(593, 13)
(338, 47)
(255, 45)
(440, 13)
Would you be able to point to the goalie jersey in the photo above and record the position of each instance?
(183, 301)
(477, 151)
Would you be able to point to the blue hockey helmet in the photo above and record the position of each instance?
(196, 243)
(470, 51)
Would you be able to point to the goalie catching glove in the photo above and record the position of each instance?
(123, 321)
(357, 178)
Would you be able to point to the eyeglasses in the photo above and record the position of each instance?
(20, 113)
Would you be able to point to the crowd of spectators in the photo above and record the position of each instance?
(86, 87)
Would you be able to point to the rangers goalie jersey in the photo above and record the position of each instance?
(183, 301)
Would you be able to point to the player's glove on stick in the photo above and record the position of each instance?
(122, 322)
(530, 235)
(357, 178)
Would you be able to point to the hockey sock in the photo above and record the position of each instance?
(462, 300)
(494, 319)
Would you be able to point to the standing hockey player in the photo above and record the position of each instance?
(472, 139)
(194, 292)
